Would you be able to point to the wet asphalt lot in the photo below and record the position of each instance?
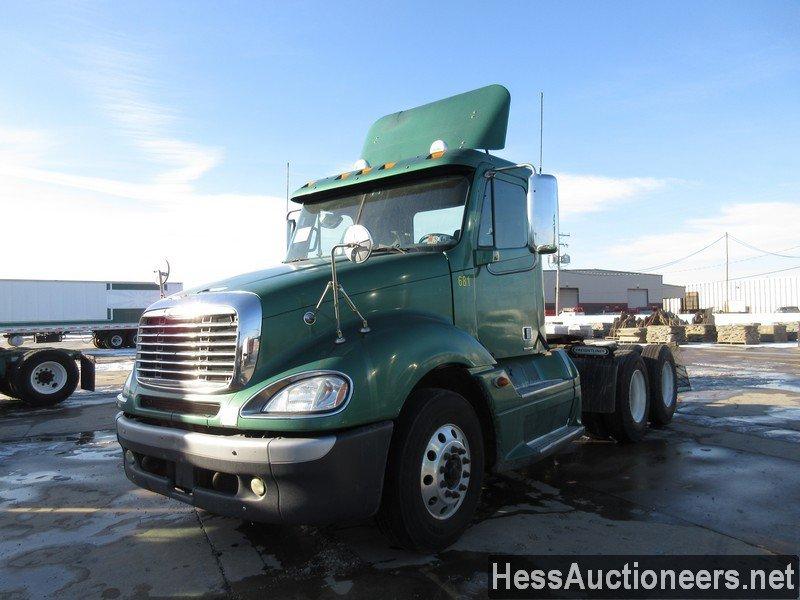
(723, 478)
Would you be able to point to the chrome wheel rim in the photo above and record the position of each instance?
(637, 396)
(445, 471)
(48, 377)
(115, 341)
(667, 384)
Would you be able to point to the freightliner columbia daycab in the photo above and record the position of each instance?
(397, 354)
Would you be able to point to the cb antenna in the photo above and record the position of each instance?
(541, 128)
(287, 187)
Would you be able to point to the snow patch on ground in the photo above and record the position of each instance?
(707, 376)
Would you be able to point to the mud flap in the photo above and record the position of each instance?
(598, 367)
(598, 382)
(87, 373)
(684, 385)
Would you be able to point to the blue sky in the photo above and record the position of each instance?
(134, 130)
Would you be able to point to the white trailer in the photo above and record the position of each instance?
(47, 310)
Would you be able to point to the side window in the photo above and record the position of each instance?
(510, 215)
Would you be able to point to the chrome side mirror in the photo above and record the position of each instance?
(357, 243)
(543, 214)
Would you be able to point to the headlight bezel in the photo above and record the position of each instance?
(255, 405)
(126, 387)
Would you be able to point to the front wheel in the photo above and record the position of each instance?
(434, 472)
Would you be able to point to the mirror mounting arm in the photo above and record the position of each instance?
(311, 316)
(491, 172)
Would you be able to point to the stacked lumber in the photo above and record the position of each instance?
(773, 333)
(623, 321)
(601, 330)
(636, 335)
(737, 334)
(663, 317)
(666, 334)
(791, 331)
(701, 333)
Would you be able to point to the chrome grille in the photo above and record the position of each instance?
(188, 349)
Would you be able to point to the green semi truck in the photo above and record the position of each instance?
(396, 356)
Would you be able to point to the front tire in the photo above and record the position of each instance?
(434, 472)
(628, 422)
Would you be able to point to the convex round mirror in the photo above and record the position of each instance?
(359, 243)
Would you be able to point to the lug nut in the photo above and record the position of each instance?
(257, 486)
(462, 488)
(456, 495)
(466, 473)
(465, 461)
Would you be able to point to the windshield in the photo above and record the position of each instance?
(412, 217)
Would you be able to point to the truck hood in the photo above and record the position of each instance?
(293, 286)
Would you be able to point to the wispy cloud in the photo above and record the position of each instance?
(120, 82)
(90, 233)
(593, 193)
(758, 223)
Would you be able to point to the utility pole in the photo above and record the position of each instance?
(558, 268)
(727, 278)
(558, 274)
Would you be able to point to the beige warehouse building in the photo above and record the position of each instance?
(599, 290)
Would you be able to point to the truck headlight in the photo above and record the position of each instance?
(302, 394)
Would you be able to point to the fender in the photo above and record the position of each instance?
(405, 348)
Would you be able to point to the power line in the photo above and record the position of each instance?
(668, 264)
(738, 260)
(760, 250)
(765, 273)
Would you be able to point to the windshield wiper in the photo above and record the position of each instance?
(392, 248)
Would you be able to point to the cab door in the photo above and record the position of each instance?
(507, 282)
(504, 270)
